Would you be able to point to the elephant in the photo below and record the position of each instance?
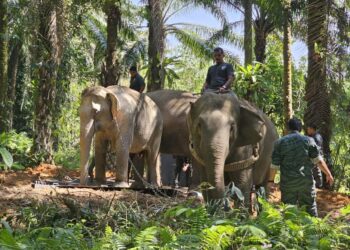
(174, 106)
(233, 140)
(130, 121)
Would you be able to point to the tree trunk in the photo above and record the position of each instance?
(13, 66)
(263, 26)
(248, 42)
(4, 121)
(111, 71)
(156, 41)
(287, 65)
(260, 44)
(50, 41)
(248, 34)
(317, 95)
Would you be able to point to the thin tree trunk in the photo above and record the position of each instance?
(317, 95)
(248, 33)
(156, 45)
(4, 121)
(13, 69)
(50, 39)
(287, 65)
(263, 26)
(111, 71)
(260, 44)
(248, 42)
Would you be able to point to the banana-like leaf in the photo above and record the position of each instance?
(6, 156)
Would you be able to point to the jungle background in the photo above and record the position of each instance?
(51, 50)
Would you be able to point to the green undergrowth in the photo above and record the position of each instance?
(121, 225)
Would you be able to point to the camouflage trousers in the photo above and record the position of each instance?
(316, 172)
(300, 191)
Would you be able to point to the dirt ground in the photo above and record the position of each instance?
(16, 192)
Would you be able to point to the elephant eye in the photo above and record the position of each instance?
(233, 126)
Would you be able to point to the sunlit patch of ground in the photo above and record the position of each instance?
(16, 192)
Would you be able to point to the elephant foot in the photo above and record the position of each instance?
(137, 185)
(121, 184)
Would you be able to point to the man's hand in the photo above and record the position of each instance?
(205, 86)
(324, 168)
(271, 187)
(185, 167)
(330, 179)
(222, 89)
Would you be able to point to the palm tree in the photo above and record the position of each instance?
(287, 63)
(317, 95)
(4, 124)
(126, 47)
(110, 71)
(198, 38)
(50, 39)
(156, 43)
(248, 33)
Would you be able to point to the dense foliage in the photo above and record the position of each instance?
(184, 226)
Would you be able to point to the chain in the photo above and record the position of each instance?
(153, 187)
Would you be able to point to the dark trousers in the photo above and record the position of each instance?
(180, 161)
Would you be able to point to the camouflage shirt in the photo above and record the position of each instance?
(295, 155)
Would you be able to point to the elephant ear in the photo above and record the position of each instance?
(114, 104)
(251, 127)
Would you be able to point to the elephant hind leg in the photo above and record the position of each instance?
(137, 166)
(153, 167)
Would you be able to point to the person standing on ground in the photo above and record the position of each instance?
(295, 155)
(311, 131)
(136, 81)
(220, 76)
(182, 165)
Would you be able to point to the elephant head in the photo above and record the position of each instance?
(218, 125)
(98, 112)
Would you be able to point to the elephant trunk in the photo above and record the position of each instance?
(86, 135)
(217, 151)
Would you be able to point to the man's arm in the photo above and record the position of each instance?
(207, 80)
(324, 168)
(228, 83)
(317, 159)
(230, 78)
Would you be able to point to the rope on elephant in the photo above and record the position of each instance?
(234, 166)
(147, 184)
(240, 165)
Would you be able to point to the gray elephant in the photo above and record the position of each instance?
(130, 121)
(233, 140)
(174, 106)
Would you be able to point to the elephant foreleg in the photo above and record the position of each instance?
(122, 167)
(100, 159)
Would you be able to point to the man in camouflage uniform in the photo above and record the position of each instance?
(295, 156)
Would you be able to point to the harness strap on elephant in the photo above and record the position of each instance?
(233, 166)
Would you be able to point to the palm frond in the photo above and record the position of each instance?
(198, 46)
(97, 31)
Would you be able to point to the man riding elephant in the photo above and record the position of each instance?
(220, 76)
